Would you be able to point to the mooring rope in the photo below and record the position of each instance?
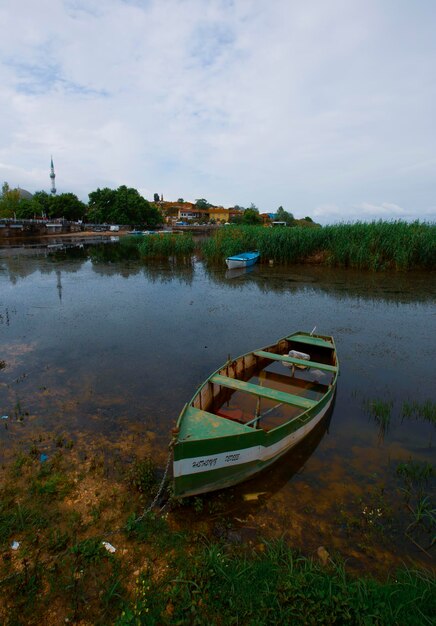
(159, 492)
(148, 510)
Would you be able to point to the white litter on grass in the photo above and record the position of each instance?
(5, 417)
(15, 545)
(109, 547)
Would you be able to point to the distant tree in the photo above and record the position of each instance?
(100, 204)
(308, 219)
(236, 219)
(156, 197)
(68, 206)
(43, 202)
(239, 208)
(284, 216)
(201, 203)
(9, 201)
(124, 205)
(27, 209)
(251, 216)
(180, 200)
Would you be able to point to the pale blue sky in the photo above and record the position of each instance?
(325, 108)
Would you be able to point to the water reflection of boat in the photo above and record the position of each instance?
(238, 271)
(244, 259)
(218, 445)
(277, 475)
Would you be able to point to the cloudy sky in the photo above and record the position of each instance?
(326, 107)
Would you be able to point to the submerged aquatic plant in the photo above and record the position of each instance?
(416, 477)
(381, 412)
(414, 472)
(420, 411)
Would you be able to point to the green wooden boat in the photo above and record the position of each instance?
(251, 411)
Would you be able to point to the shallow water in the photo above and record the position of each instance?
(97, 347)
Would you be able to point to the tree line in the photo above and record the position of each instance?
(124, 205)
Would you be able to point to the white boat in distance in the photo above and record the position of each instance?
(245, 259)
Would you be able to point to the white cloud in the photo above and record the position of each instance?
(305, 105)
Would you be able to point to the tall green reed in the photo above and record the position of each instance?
(164, 245)
(373, 246)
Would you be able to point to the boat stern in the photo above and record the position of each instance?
(212, 452)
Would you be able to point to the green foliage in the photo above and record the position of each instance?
(381, 412)
(49, 482)
(166, 245)
(201, 203)
(251, 216)
(374, 246)
(141, 475)
(9, 201)
(416, 477)
(124, 205)
(67, 206)
(420, 410)
(15, 517)
(153, 528)
(414, 472)
(27, 209)
(216, 585)
(43, 201)
(90, 550)
(156, 197)
(284, 216)
(64, 205)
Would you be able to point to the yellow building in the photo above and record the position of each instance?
(219, 213)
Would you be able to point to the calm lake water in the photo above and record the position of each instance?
(105, 351)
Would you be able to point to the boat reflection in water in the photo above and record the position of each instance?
(239, 271)
(272, 479)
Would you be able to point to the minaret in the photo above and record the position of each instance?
(52, 176)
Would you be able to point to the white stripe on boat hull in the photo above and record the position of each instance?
(195, 465)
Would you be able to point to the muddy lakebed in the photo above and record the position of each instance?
(101, 352)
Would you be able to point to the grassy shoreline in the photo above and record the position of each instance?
(60, 510)
(370, 246)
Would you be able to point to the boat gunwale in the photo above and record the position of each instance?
(244, 256)
(303, 415)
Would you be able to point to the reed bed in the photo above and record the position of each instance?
(164, 245)
(374, 246)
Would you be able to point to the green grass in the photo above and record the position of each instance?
(373, 246)
(216, 584)
(165, 572)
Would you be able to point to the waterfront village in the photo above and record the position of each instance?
(126, 207)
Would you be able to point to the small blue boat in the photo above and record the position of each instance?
(245, 259)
